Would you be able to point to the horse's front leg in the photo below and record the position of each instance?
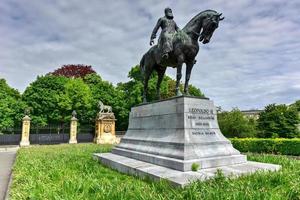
(160, 72)
(189, 67)
(146, 79)
(178, 77)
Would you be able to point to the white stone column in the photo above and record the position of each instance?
(73, 131)
(25, 131)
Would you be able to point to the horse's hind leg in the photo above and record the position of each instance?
(160, 72)
(179, 75)
(146, 79)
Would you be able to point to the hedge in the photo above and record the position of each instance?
(282, 146)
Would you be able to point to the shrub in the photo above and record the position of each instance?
(195, 167)
(277, 146)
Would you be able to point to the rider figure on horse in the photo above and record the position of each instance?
(168, 30)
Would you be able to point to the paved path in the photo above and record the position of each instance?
(7, 159)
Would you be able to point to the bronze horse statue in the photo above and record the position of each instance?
(185, 49)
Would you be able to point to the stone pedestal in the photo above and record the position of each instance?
(164, 139)
(105, 129)
(25, 131)
(73, 131)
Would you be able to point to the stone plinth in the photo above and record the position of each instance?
(177, 133)
(171, 136)
(25, 131)
(105, 129)
(73, 131)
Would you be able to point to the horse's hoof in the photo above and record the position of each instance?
(187, 94)
(178, 93)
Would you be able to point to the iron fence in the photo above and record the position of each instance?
(51, 134)
(10, 136)
(13, 130)
(10, 139)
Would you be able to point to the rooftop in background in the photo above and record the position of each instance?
(253, 113)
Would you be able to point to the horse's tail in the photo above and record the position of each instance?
(142, 65)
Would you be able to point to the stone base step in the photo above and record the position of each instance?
(181, 165)
(177, 178)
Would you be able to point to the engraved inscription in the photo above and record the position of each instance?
(192, 117)
(205, 117)
(201, 111)
(203, 132)
(201, 114)
(200, 118)
(202, 124)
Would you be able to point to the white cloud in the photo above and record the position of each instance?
(252, 60)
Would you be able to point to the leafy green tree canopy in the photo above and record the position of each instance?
(235, 124)
(11, 106)
(52, 99)
(279, 121)
(296, 105)
(109, 95)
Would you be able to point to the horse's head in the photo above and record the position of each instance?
(209, 24)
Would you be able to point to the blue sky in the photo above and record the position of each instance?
(252, 60)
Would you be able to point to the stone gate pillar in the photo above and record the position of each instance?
(25, 131)
(105, 129)
(73, 129)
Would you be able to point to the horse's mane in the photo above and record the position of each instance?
(194, 19)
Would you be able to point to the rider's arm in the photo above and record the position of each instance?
(176, 27)
(158, 24)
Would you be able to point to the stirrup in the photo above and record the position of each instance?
(165, 56)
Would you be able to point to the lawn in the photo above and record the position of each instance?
(69, 172)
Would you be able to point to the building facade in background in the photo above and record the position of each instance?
(253, 113)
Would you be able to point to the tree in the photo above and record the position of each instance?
(52, 99)
(11, 106)
(109, 95)
(74, 71)
(296, 105)
(278, 121)
(76, 96)
(42, 96)
(235, 124)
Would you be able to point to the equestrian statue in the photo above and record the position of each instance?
(176, 47)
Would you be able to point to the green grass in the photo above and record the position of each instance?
(69, 172)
